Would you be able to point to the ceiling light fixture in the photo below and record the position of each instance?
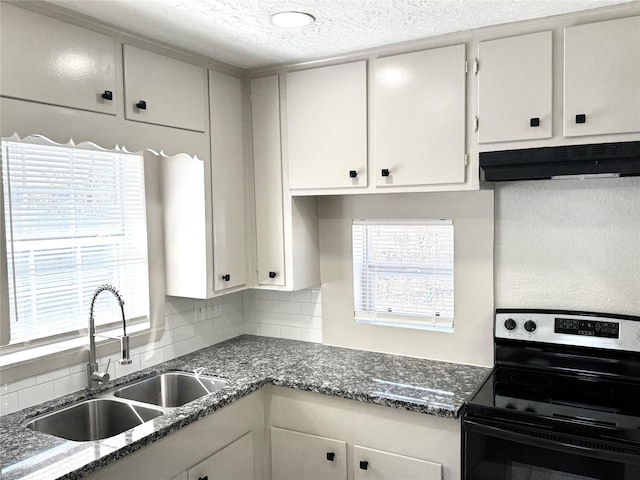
(292, 19)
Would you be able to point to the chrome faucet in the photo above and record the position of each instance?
(95, 377)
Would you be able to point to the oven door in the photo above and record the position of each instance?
(496, 450)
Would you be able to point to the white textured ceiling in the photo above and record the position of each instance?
(238, 32)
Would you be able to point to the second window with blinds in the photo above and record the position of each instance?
(403, 273)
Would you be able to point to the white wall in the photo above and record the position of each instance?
(190, 325)
(571, 244)
(472, 213)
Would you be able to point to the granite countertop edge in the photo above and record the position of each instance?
(317, 368)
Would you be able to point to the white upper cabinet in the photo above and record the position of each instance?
(49, 61)
(164, 91)
(267, 167)
(227, 170)
(515, 78)
(327, 126)
(419, 118)
(287, 245)
(602, 78)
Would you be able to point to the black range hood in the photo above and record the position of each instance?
(598, 159)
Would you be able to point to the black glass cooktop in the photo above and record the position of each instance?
(564, 396)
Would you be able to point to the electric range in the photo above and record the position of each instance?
(562, 402)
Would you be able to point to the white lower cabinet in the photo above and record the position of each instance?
(302, 456)
(315, 436)
(233, 462)
(370, 464)
(296, 456)
(226, 445)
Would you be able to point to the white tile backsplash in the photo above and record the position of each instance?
(190, 326)
(293, 315)
(187, 330)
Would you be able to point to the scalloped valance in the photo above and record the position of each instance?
(21, 119)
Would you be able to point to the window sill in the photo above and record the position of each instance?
(415, 326)
(44, 358)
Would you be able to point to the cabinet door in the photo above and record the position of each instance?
(370, 464)
(267, 167)
(515, 78)
(229, 241)
(49, 61)
(297, 456)
(233, 462)
(419, 117)
(601, 78)
(173, 92)
(327, 127)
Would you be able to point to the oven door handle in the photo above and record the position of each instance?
(483, 428)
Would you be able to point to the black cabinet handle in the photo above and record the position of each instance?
(107, 95)
(385, 172)
(142, 105)
(364, 465)
(353, 173)
(226, 277)
(534, 122)
(581, 118)
(206, 477)
(331, 456)
(273, 274)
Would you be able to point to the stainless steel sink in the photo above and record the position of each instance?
(171, 389)
(93, 419)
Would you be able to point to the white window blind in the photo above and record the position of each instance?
(75, 218)
(403, 272)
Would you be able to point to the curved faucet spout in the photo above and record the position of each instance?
(94, 377)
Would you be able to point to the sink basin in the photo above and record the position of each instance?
(93, 420)
(171, 389)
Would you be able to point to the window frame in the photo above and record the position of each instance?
(415, 321)
(47, 242)
(36, 357)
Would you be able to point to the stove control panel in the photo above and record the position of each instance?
(590, 328)
(563, 327)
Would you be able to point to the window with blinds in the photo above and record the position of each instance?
(75, 218)
(403, 272)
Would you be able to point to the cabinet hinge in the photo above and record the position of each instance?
(476, 66)
(466, 159)
(476, 123)
(466, 66)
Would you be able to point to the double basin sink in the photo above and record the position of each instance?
(115, 412)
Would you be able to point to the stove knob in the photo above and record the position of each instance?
(510, 324)
(530, 326)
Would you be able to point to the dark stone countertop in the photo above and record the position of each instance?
(248, 362)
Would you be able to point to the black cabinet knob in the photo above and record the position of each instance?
(385, 172)
(273, 274)
(142, 105)
(534, 122)
(331, 456)
(364, 465)
(226, 277)
(206, 477)
(107, 95)
(353, 173)
(581, 118)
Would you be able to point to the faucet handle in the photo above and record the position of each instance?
(102, 377)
